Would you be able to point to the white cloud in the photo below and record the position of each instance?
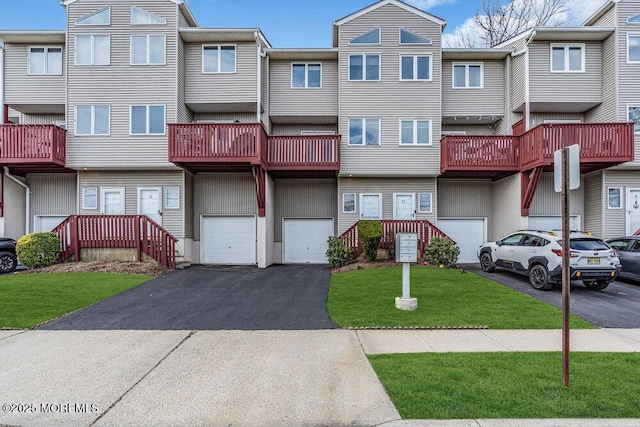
(428, 4)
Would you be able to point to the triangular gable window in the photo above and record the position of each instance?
(372, 37)
(407, 37)
(101, 17)
(634, 19)
(140, 17)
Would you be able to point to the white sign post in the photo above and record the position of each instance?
(406, 253)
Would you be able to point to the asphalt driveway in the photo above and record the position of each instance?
(214, 298)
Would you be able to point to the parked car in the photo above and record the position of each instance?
(538, 254)
(8, 259)
(629, 250)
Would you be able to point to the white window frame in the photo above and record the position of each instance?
(355, 208)
(629, 106)
(93, 121)
(429, 43)
(121, 190)
(430, 194)
(413, 203)
(629, 61)
(140, 10)
(466, 66)
(364, 67)
(364, 34)
(167, 190)
(91, 15)
(84, 198)
(633, 20)
(93, 47)
(46, 60)
(148, 53)
(147, 109)
(566, 47)
(363, 121)
(306, 75)
(379, 195)
(415, 67)
(415, 132)
(219, 46)
(609, 206)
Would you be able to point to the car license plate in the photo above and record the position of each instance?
(593, 261)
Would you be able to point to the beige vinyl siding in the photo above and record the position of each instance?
(172, 219)
(390, 99)
(223, 194)
(539, 118)
(386, 187)
(188, 205)
(240, 117)
(464, 198)
(182, 20)
(52, 194)
(121, 85)
(184, 115)
(20, 88)
(606, 112)
(475, 102)
(593, 203)
(615, 220)
(608, 19)
(565, 87)
(40, 119)
(287, 101)
(297, 129)
(505, 126)
(222, 87)
(304, 198)
(518, 76)
(547, 202)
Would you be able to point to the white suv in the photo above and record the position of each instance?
(538, 254)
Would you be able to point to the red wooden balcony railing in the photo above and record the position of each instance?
(302, 152)
(466, 152)
(20, 144)
(116, 231)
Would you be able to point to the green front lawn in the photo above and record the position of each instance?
(26, 300)
(510, 385)
(446, 298)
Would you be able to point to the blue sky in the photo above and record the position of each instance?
(285, 23)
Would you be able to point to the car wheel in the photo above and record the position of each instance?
(596, 285)
(8, 262)
(486, 264)
(539, 278)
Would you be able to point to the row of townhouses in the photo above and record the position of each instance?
(250, 154)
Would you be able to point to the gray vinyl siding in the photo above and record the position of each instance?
(390, 99)
(546, 86)
(297, 129)
(237, 87)
(464, 198)
(547, 202)
(172, 219)
(477, 102)
(615, 220)
(22, 88)
(188, 206)
(184, 115)
(287, 101)
(606, 112)
(52, 194)
(304, 198)
(121, 85)
(386, 187)
(593, 203)
(518, 76)
(539, 118)
(40, 119)
(241, 117)
(224, 194)
(182, 20)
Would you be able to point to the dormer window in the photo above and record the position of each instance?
(101, 17)
(407, 37)
(141, 17)
(372, 37)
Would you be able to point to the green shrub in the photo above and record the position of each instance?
(38, 249)
(441, 250)
(370, 233)
(390, 245)
(338, 253)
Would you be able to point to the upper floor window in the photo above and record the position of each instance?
(633, 48)
(148, 50)
(101, 17)
(372, 37)
(414, 132)
(45, 60)
(93, 50)
(467, 76)
(407, 37)
(92, 119)
(306, 75)
(364, 131)
(141, 17)
(364, 67)
(218, 59)
(567, 58)
(634, 20)
(416, 67)
(634, 116)
(147, 120)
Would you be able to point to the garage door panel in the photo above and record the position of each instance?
(469, 234)
(229, 240)
(552, 222)
(305, 240)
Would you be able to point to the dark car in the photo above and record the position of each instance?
(629, 250)
(8, 259)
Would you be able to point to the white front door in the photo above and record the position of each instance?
(150, 203)
(112, 201)
(404, 206)
(633, 210)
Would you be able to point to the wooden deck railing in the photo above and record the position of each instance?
(495, 152)
(32, 144)
(116, 231)
(304, 152)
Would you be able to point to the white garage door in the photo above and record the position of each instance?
(304, 240)
(549, 223)
(228, 240)
(47, 222)
(467, 233)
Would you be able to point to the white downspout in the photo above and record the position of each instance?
(259, 72)
(2, 117)
(527, 101)
(27, 202)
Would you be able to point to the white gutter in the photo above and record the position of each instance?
(27, 201)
